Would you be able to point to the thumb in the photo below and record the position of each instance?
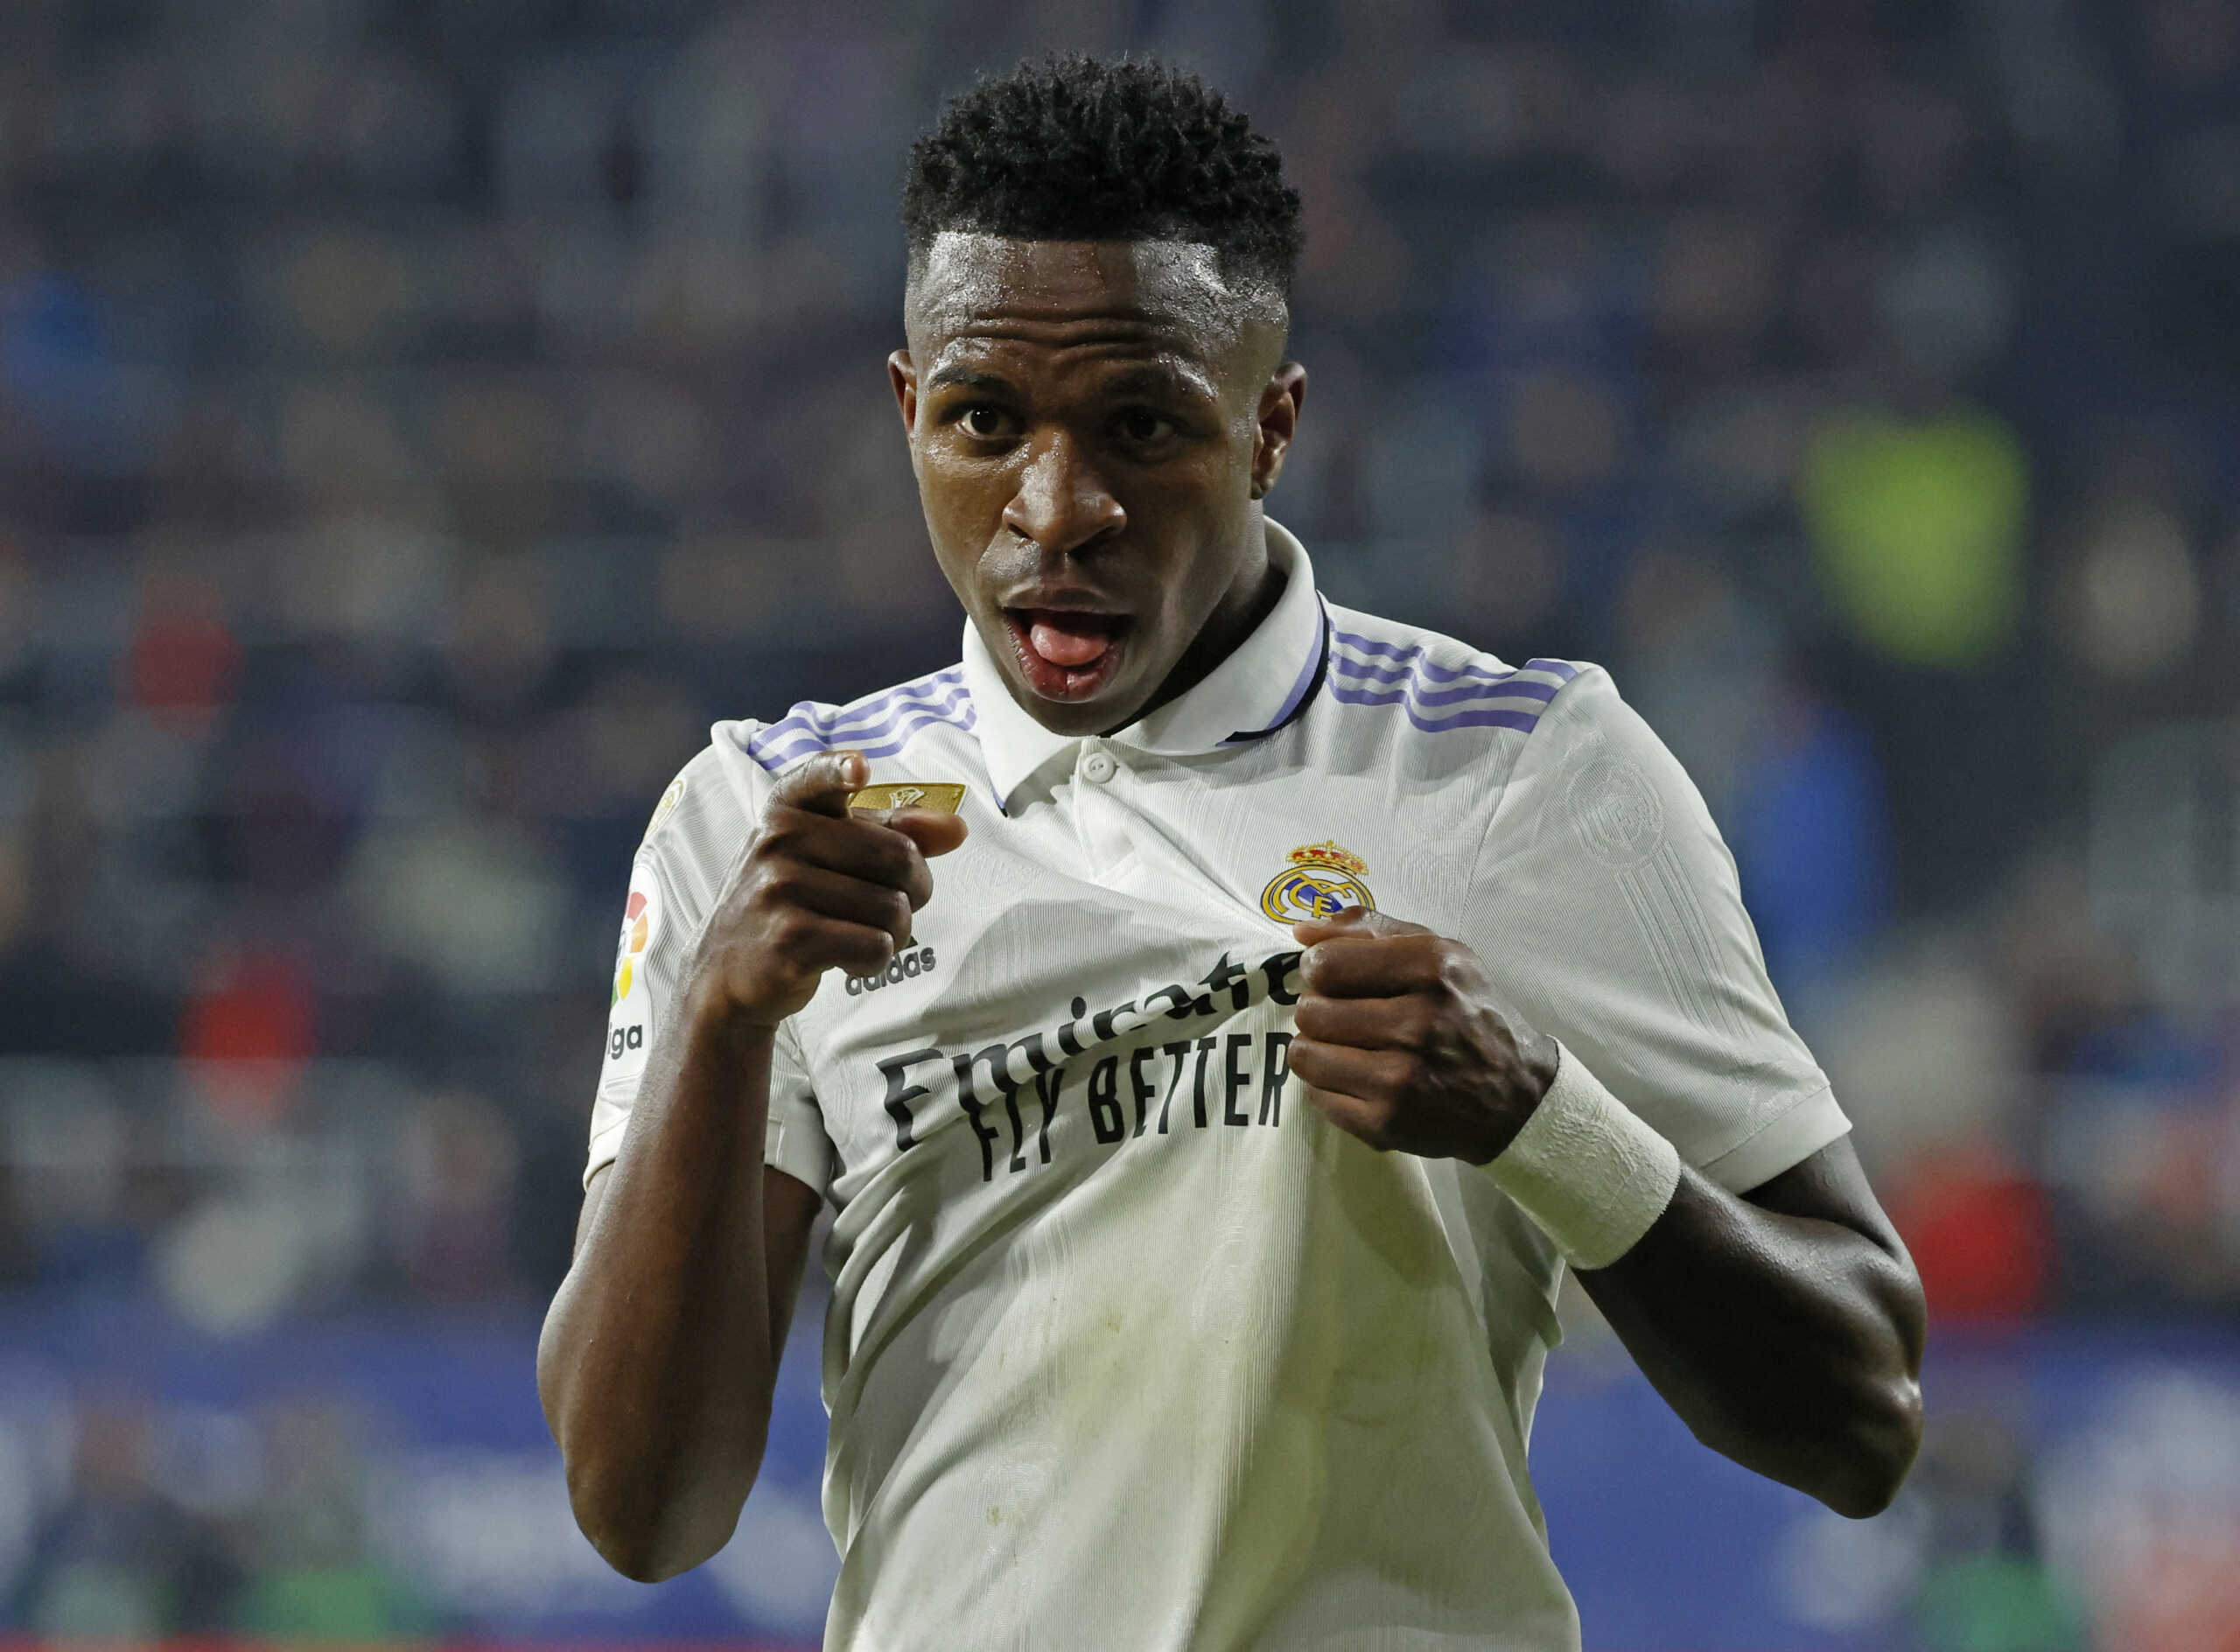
(1355, 921)
(933, 832)
(822, 784)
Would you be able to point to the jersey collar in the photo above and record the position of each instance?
(1254, 691)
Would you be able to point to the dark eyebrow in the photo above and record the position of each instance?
(989, 382)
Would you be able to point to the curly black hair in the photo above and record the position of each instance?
(1094, 148)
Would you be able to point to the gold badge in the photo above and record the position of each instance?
(1321, 881)
(942, 796)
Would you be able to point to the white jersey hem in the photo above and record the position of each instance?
(1784, 1141)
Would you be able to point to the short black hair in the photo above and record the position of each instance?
(1106, 149)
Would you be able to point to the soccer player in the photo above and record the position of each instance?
(1218, 1022)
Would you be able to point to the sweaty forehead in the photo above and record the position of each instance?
(1163, 297)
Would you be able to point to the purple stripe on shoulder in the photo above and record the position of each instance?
(1417, 663)
(903, 737)
(1500, 719)
(781, 740)
(870, 718)
(1525, 721)
(864, 740)
(1428, 670)
(801, 717)
(1527, 688)
(1514, 689)
(813, 717)
(1416, 659)
(884, 742)
(1370, 645)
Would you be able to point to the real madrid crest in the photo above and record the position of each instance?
(1320, 882)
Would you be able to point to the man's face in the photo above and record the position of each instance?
(1093, 424)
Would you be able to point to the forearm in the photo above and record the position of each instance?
(1788, 1343)
(656, 1365)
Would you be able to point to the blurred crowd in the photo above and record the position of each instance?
(420, 418)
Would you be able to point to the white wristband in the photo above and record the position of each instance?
(1591, 1173)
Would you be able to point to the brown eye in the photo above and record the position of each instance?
(1141, 424)
(982, 421)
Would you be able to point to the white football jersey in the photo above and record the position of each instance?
(1128, 1347)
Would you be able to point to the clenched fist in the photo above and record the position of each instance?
(817, 888)
(1402, 1043)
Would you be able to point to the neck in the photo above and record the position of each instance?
(1248, 602)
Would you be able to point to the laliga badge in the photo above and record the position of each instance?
(1321, 881)
(630, 1013)
(941, 796)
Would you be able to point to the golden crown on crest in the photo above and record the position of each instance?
(1328, 854)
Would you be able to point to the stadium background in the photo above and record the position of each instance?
(419, 418)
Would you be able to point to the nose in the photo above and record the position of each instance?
(1062, 504)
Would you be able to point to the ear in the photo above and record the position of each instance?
(1279, 406)
(903, 376)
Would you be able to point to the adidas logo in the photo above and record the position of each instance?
(919, 960)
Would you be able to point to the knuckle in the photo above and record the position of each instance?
(780, 891)
(761, 896)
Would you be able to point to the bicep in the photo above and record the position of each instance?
(789, 1208)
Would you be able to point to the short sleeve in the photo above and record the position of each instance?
(1607, 902)
(695, 834)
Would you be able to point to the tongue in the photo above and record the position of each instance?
(1069, 639)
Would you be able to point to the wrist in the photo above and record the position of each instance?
(1593, 1174)
(712, 1014)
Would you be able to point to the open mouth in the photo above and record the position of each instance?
(1067, 654)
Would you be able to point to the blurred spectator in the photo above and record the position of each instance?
(312, 1578)
(120, 1560)
(1985, 1585)
(1919, 529)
